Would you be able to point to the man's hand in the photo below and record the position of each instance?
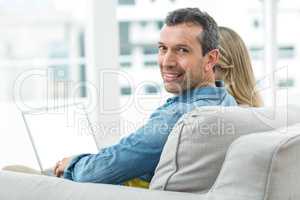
(60, 166)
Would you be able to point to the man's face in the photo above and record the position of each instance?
(180, 58)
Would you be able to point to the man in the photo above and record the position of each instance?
(188, 51)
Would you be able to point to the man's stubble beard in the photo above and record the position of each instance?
(187, 84)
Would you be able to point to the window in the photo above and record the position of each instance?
(284, 83)
(125, 46)
(151, 89)
(256, 23)
(125, 64)
(125, 61)
(286, 52)
(150, 63)
(125, 49)
(126, 2)
(124, 32)
(160, 24)
(256, 53)
(126, 90)
(54, 46)
(283, 52)
(59, 72)
(144, 24)
(150, 49)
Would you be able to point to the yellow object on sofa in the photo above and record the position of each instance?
(139, 183)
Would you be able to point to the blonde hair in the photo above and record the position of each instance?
(235, 69)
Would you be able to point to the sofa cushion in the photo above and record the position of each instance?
(19, 186)
(196, 148)
(261, 166)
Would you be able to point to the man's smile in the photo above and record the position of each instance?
(172, 76)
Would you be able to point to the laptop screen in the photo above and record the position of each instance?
(59, 132)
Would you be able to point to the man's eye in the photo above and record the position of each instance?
(162, 48)
(183, 50)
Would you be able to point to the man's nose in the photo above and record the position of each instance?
(169, 60)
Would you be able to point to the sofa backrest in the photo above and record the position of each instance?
(261, 166)
(195, 150)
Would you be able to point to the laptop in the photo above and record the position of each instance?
(59, 132)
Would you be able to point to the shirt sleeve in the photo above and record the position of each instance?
(134, 156)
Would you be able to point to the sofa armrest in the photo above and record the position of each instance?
(15, 186)
(261, 166)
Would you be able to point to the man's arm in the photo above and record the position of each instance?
(134, 156)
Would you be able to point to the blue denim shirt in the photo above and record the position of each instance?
(138, 154)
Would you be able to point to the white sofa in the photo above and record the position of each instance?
(259, 160)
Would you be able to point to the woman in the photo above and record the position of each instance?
(235, 69)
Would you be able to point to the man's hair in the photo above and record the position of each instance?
(209, 38)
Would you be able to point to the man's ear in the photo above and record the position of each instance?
(212, 59)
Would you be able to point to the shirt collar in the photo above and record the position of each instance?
(209, 93)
